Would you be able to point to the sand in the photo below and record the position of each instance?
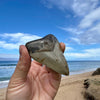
(71, 87)
(3, 93)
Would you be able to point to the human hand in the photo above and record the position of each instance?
(31, 81)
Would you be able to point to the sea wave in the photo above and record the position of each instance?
(82, 71)
(7, 67)
(4, 84)
(4, 78)
(7, 64)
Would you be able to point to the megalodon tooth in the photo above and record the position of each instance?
(47, 51)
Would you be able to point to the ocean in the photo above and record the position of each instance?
(76, 67)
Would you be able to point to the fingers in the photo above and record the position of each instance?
(23, 65)
(62, 45)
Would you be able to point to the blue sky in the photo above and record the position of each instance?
(74, 22)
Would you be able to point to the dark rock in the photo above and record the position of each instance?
(92, 88)
(97, 72)
(86, 83)
(88, 96)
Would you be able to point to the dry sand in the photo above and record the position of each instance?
(71, 87)
(3, 94)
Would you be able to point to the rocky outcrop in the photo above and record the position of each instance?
(92, 88)
(97, 72)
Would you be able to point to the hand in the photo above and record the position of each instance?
(31, 81)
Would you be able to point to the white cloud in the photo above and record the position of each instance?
(12, 41)
(88, 53)
(77, 55)
(83, 7)
(88, 31)
(91, 36)
(62, 4)
(95, 51)
(77, 40)
(4, 44)
(13, 35)
(68, 49)
(79, 7)
(71, 30)
(88, 11)
(88, 36)
(90, 18)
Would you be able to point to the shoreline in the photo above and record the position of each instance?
(68, 87)
(4, 84)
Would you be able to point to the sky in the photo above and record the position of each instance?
(74, 22)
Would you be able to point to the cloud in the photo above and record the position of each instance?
(76, 40)
(88, 29)
(88, 12)
(79, 7)
(62, 4)
(4, 44)
(87, 53)
(83, 7)
(13, 40)
(90, 18)
(90, 36)
(71, 30)
(68, 49)
(93, 51)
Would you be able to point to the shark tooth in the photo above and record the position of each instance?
(47, 51)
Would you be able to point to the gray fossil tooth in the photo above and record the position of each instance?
(48, 52)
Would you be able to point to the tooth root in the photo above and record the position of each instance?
(47, 51)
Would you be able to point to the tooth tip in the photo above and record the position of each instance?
(67, 70)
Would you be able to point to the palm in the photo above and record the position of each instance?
(41, 84)
(44, 83)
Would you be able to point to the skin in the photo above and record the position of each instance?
(31, 81)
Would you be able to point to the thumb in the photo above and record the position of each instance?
(22, 67)
(62, 45)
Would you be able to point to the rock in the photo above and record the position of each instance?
(86, 83)
(48, 52)
(97, 72)
(92, 88)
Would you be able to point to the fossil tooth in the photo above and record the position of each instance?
(48, 52)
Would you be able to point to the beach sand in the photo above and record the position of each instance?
(71, 87)
(3, 93)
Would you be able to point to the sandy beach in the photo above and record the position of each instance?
(71, 87)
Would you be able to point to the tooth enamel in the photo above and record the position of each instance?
(48, 52)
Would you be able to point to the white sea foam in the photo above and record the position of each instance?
(7, 67)
(4, 84)
(82, 71)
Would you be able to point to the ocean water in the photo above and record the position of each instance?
(76, 67)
